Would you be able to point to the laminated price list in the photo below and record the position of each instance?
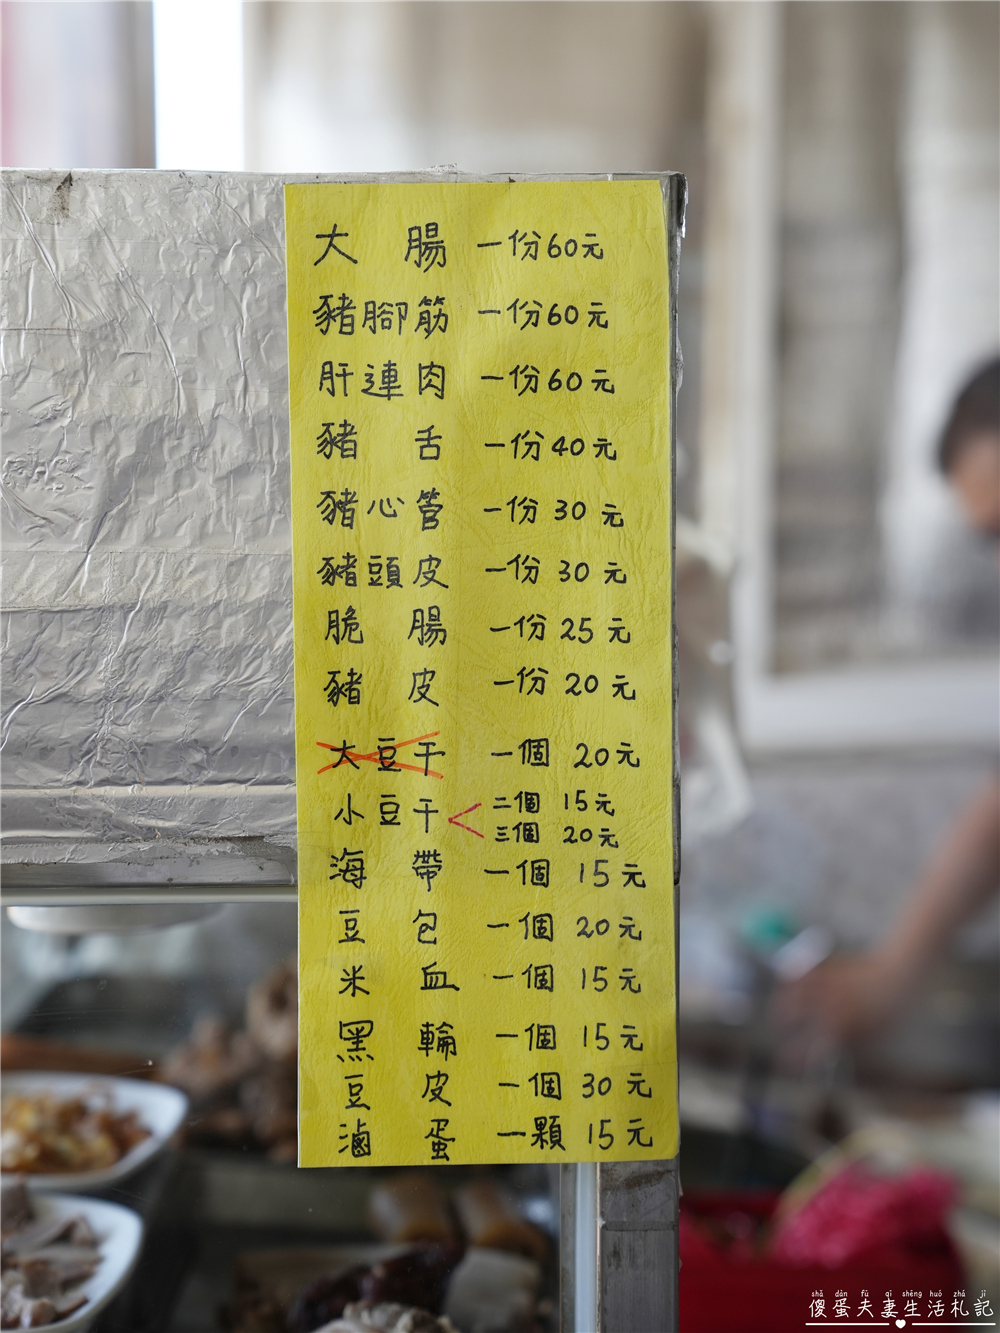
(480, 433)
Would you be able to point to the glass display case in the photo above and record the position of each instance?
(149, 859)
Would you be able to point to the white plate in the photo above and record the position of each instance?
(119, 1235)
(115, 919)
(160, 1108)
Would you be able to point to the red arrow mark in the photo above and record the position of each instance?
(454, 819)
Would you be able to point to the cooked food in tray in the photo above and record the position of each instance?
(388, 1318)
(71, 1132)
(18, 1051)
(242, 1083)
(453, 1258)
(46, 1133)
(272, 1012)
(428, 1274)
(44, 1262)
(302, 1290)
(417, 1277)
(410, 1206)
(64, 1257)
(490, 1218)
(241, 1080)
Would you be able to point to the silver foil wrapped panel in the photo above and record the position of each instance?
(147, 686)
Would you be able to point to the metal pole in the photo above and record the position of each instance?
(637, 1247)
(585, 1250)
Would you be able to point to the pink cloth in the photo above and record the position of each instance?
(857, 1210)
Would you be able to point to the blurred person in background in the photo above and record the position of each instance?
(851, 997)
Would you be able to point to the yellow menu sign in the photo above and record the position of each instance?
(480, 441)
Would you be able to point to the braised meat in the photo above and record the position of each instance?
(44, 1261)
